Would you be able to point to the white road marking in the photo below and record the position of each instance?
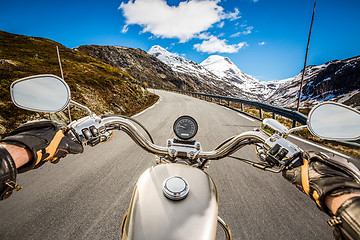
(138, 114)
(248, 118)
(319, 146)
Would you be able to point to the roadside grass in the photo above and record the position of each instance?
(101, 87)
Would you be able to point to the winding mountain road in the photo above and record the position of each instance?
(85, 196)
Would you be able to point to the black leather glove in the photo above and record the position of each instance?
(7, 174)
(47, 140)
(320, 176)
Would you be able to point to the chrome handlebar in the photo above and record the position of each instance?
(86, 127)
(237, 142)
(107, 124)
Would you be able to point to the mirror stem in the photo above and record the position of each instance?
(297, 129)
(83, 107)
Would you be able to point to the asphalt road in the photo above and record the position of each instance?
(85, 196)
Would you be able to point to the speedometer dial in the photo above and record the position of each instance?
(185, 127)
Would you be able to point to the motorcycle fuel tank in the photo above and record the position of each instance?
(152, 215)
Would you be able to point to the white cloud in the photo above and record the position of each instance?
(204, 36)
(125, 29)
(247, 31)
(262, 43)
(213, 45)
(236, 34)
(183, 21)
(232, 16)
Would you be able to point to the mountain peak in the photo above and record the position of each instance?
(217, 59)
(223, 67)
(165, 56)
(157, 48)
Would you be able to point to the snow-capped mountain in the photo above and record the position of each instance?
(226, 70)
(337, 80)
(178, 63)
(219, 71)
(196, 75)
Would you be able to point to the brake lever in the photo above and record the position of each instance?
(261, 165)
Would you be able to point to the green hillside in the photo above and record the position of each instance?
(104, 89)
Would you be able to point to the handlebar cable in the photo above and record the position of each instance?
(131, 119)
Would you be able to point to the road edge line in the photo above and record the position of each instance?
(319, 146)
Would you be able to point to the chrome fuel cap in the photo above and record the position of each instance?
(175, 188)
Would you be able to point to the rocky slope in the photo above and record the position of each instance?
(338, 80)
(142, 66)
(104, 89)
(151, 71)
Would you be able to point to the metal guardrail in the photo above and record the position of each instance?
(291, 114)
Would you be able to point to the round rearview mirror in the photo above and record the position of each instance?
(41, 93)
(334, 121)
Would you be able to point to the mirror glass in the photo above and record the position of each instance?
(334, 121)
(42, 93)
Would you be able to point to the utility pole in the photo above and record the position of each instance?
(306, 55)
(62, 76)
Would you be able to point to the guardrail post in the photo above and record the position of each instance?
(261, 113)
(291, 114)
(294, 124)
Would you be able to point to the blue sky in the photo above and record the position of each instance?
(264, 38)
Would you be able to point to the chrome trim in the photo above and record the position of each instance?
(191, 151)
(126, 126)
(83, 107)
(175, 188)
(235, 144)
(275, 127)
(297, 129)
(225, 227)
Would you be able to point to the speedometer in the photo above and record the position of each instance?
(185, 127)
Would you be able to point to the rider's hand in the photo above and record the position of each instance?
(318, 179)
(47, 140)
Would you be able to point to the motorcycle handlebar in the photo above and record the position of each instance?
(234, 144)
(118, 123)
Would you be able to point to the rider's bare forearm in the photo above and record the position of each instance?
(333, 203)
(20, 155)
